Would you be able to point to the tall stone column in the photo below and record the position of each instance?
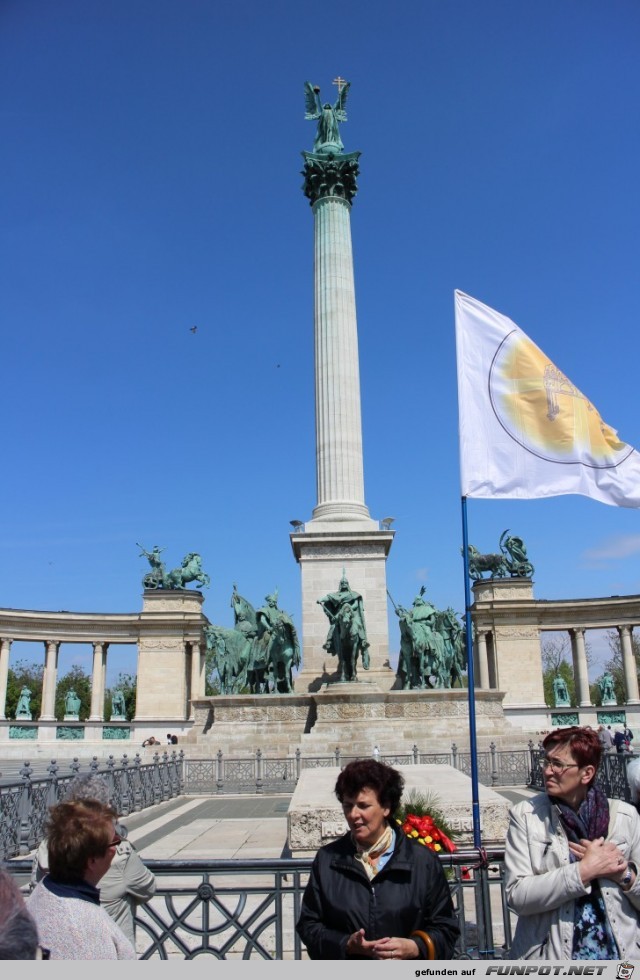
(580, 669)
(629, 664)
(341, 536)
(196, 673)
(97, 682)
(5, 649)
(49, 680)
(483, 662)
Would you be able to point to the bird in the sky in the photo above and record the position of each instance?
(193, 329)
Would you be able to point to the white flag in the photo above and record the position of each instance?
(525, 430)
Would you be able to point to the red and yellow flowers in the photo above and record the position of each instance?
(425, 830)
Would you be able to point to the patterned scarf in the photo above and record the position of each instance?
(591, 820)
(593, 937)
(368, 856)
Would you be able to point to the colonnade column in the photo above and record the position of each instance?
(195, 677)
(5, 648)
(483, 662)
(629, 664)
(580, 671)
(49, 680)
(97, 682)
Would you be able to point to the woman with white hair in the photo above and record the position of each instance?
(633, 778)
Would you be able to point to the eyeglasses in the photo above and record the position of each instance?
(557, 768)
(117, 839)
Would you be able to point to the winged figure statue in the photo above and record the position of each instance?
(328, 116)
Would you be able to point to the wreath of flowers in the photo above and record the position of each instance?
(426, 831)
(421, 818)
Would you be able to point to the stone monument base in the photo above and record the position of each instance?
(354, 717)
(315, 817)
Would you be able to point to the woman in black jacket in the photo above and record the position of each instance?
(374, 893)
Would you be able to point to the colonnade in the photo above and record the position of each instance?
(195, 662)
(486, 666)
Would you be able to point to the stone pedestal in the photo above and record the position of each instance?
(354, 717)
(322, 557)
(315, 816)
(170, 619)
(506, 636)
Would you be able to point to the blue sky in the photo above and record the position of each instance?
(151, 174)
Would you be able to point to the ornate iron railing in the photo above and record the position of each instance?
(136, 786)
(240, 910)
(611, 776)
(133, 786)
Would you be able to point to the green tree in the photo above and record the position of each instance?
(24, 674)
(74, 680)
(127, 683)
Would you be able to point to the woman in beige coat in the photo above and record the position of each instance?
(571, 861)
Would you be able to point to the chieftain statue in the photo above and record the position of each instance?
(347, 636)
(177, 578)
(432, 646)
(259, 653)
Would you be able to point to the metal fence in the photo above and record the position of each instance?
(133, 786)
(259, 774)
(611, 776)
(240, 910)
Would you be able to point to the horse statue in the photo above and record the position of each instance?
(348, 644)
(246, 622)
(230, 654)
(479, 563)
(454, 636)
(512, 560)
(189, 571)
(284, 655)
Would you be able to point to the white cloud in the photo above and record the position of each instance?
(619, 546)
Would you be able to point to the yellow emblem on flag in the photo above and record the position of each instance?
(544, 412)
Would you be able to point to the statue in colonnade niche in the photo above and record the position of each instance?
(347, 636)
(432, 646)
(159, 578)
(23, 707)
(118, 706)
(607, 688)
(72, 704)
(560, 692)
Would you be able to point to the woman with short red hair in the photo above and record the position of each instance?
(571, 860)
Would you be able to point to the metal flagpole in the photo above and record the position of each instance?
(475, 804)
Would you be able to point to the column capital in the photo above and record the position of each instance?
(625, 630)
(330, 175)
